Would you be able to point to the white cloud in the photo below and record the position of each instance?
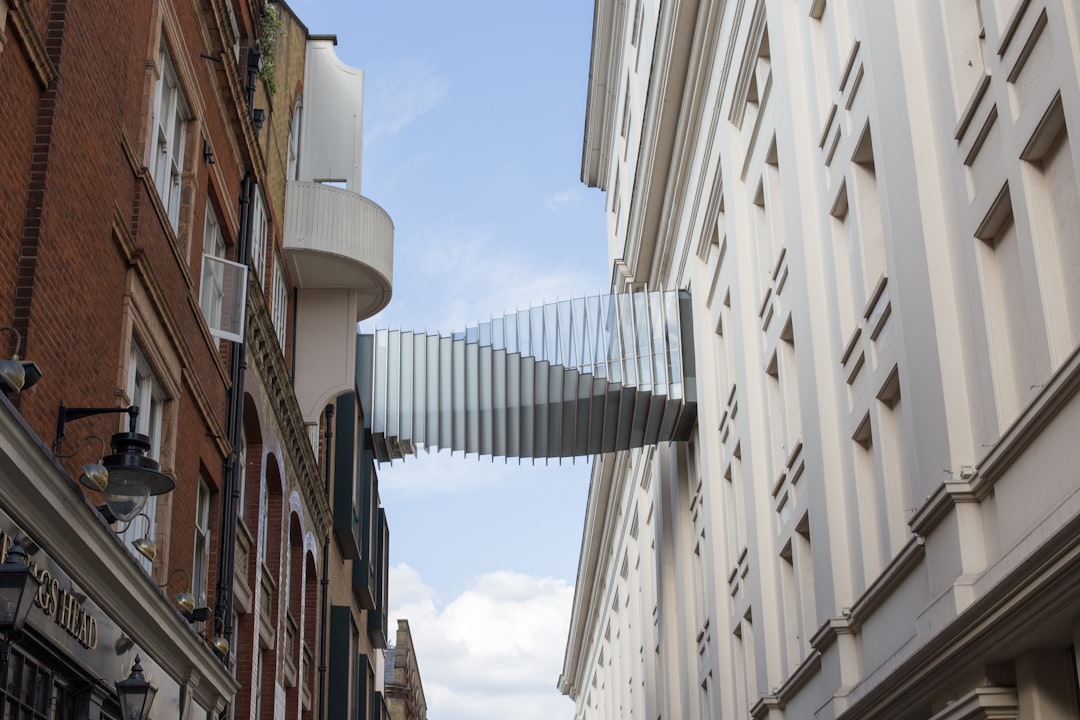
(400, 95)
(493, 652)
(479, 276)
(442, 473)
(557, 201)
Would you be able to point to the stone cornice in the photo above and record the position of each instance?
(220, 39)
(1040, 586)
(973, 484)
(265, 358)
(43, 67)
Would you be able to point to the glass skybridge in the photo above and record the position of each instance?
(561, 380)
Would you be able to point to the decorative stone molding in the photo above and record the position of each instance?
(985, 703)
(31, 40)
(265, 358)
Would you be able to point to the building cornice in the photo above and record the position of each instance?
(600, 103)
(588, 581)
(36, 55)
(1039, 586)
(975, 483)
(660, 130)
(268, 363)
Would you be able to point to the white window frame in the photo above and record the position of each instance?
(292, 171)
(279, 303)
(241, 473)
(223, 292)
(258, 236)
(169, 129)
(200, 569)
(145, 391)
(264, 527)
(212, 289)
(3, 23)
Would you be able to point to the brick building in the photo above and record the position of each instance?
(149, 173)
(404, 689)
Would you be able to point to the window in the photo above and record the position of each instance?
(279, 307)
(345, 666)
(168, 134)
(213, 279)
(264, 528)
(3, 22)
(1055, 214)
(199, 573)
(1011, 318)
(967, 47)
(869, 502)
(234, 658)
(224, 284)
(32, 690)
(797, 577)
(145, 392)
(258, 236)
(241, 473)
(292, 171)
(260, 662)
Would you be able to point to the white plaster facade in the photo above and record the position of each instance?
(874, 207)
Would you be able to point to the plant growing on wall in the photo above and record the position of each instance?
(269, 31)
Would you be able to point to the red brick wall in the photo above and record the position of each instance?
(79, 231)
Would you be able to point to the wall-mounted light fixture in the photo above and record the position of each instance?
(144, 545)
(15, 374)
(94, 475)
(185, 601)
(136, 694)
(218, 641)
(132, 477)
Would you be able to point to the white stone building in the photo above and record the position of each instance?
(874, 206)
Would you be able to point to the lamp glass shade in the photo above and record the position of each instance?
(125, 499)
(17, 589)
(133, 477)
(185, 601)
(94, 476)
(145, 547)
(13, 374)
(136, 694)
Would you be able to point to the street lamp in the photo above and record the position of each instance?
(17, 586)
(136, 694)
(16, 581)
(131, 477)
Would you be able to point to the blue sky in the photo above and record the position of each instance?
(473, 123)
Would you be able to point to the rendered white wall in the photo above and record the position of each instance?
(331, 142)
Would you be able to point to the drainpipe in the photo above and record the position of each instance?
(234, 430)
(325, 583)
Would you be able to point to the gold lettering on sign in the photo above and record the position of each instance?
(48, 592)
(63, 604)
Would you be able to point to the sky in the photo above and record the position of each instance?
(473, 123)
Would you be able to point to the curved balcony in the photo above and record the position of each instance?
(336, 238)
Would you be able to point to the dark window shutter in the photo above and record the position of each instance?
(337, 672)
(345, 529)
